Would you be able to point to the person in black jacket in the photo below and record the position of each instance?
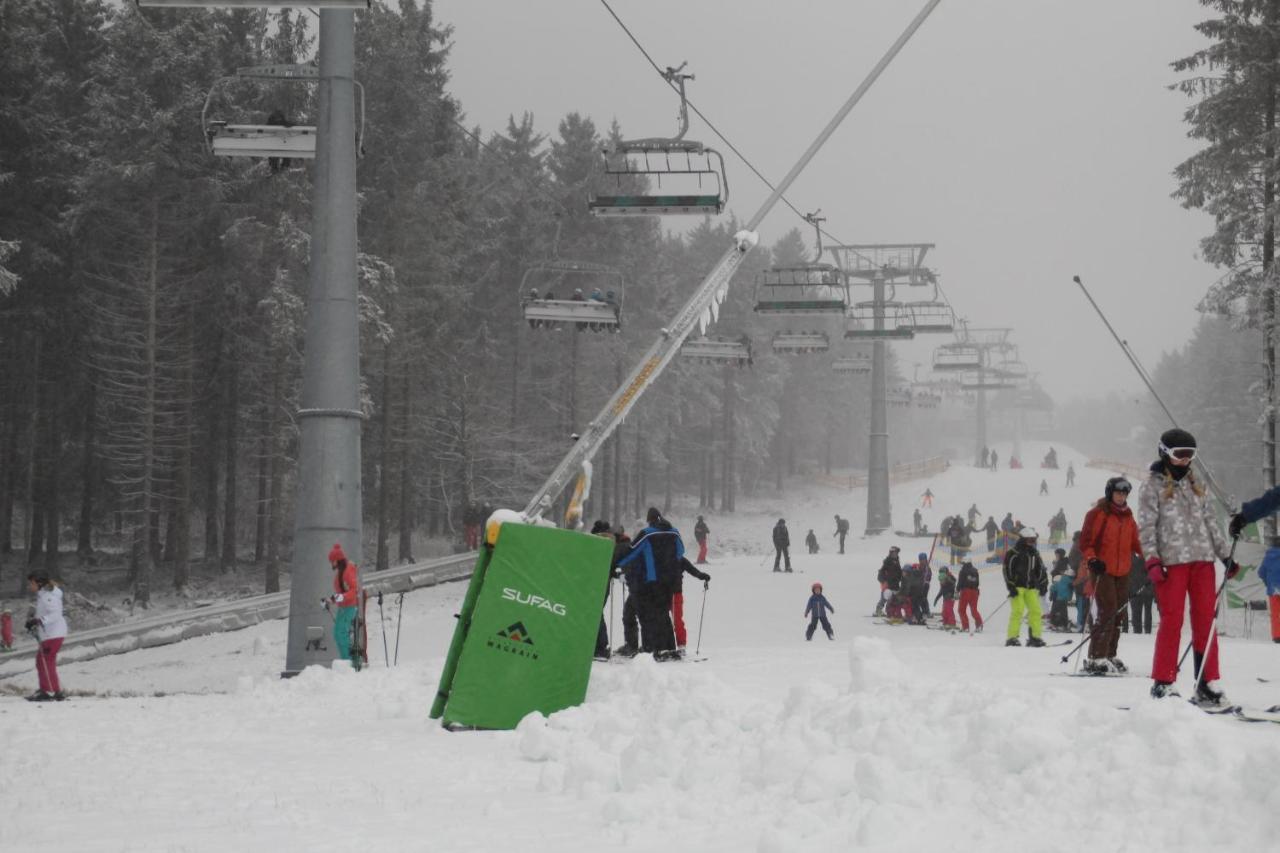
(842, 530)
(630, 619)
(967, 584)
(601, 528)
(677, 600)
(1141, 594)
(890, 577)
(992, 530)
(947, 592)
(651, 567)
(700, 534)
(1026, 579)
(811, 541)
(781, 545)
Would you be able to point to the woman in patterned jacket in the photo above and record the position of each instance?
(1181, 537)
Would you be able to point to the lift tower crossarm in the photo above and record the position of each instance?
(704, 303)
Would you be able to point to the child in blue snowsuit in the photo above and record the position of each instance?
(817, 609)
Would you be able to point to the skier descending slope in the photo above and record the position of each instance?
(1026, 578)
(1181, 538)
(816, 611)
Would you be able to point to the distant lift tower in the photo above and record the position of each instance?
(883, 268)
(985, 360)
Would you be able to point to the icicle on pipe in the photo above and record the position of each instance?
(703, 307)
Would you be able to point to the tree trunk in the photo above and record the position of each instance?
(405, 551)
(384, 464)
(84, 530)
(729, 497)
(184, 468)
(228, 563)
(264, 477)
(33, 520)
(1269, 310)
(275, 500)
(52, 478)
(142, 530)
(211, 489)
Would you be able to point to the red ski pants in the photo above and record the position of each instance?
(47, 665)
(677, 617)
(948, 612)
(1186, 581)
(1275, 617)
(702, 550)
(968, 603)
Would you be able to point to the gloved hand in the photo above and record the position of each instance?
(706, 584)
(1013, 591)
(1156, 571)
(1044, 589)
(324, 602)
(1237, 525)
(1233, 568)
(32, 624)
(1097, 566)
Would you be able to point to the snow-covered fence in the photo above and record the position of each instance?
(900, 473)
(172, 627)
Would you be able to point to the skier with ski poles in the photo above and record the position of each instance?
(1026, 579)
(1181, 538)
(1108, 542)
(345, 598)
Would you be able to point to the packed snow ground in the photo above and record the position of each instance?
(889, 738)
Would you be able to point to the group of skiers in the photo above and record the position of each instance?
(653, 566)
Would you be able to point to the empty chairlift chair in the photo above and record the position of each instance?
(810, 288)
(659, 176)
(860, 322)
(712, 351)
(857, 364)
(931, 316)
(955, 357)
(798, 343)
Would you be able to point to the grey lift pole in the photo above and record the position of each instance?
(879, 507)
(702, 306)
(328, 506)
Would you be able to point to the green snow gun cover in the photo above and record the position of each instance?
(527, 631)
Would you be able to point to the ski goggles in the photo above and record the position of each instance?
(1122, 486)
(1182, 454)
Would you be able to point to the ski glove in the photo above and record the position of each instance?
(1156, 571)
(1013, 591)
(1044, 589)
(1233, 568)
(1237, 525)
(1097, 566)
(32, 624)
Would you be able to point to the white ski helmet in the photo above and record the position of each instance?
(1028, 533)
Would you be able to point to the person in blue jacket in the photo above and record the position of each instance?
(816, 611)
(1269, 571)
(652, 568)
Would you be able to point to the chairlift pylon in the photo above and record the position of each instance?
(698, 170)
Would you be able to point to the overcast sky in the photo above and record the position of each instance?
(1030, 140)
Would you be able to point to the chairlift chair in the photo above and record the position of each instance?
(600, 310)
(857, 365)
(986, 381)
(734, 351)
(257, 4)
(279, 138)
(698, 171)
(860, 322)
(957, 356)
(810, 288)
(932, 316)
(796, 343)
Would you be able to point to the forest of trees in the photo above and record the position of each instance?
(152, 300)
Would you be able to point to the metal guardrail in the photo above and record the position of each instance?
(900, 473)
(173, 627)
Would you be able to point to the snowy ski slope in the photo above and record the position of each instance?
(890, 738)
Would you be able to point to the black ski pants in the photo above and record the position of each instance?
(842, 535)
(781, 551)
(813, 625)
(653, 607)
(630, 621)
(1140, 606)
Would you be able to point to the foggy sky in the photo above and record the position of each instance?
(1029, 139)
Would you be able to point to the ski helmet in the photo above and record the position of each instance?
(1028, 533)
(817, 587)
(1117, 484)
(1175, 439)
(922, 556)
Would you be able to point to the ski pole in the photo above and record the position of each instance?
(399, 612)
(706, 585)
(382, 623)
(1097, 626)
(611, 594)
(997, 610)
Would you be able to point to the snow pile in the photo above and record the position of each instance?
(892, 757)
